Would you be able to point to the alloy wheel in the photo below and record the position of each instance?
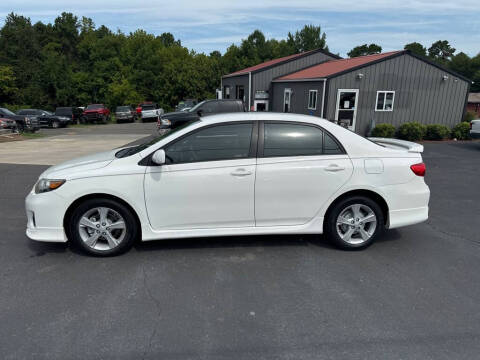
(356, 224)
(102, 228)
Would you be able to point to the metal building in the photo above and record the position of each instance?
(253, 85)
(393, 87)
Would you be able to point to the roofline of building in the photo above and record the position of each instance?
(399, 53)
(306, 53)
(300, 80)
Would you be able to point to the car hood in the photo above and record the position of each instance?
(69, 169)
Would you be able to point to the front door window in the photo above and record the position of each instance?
(347, 103)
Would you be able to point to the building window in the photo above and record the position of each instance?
(226, 92)
(385, 100)
(312, 99)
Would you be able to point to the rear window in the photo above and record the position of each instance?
(94, 106)
(123, 108)
(63, 111)
(148, 107)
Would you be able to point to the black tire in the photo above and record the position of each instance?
(131, 227)
(356, 243)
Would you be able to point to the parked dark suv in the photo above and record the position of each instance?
(45, 118)
(73, 113)
(206, 107)
(23, 122)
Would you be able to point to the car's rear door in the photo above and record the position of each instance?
(208, 181)
(299, 167)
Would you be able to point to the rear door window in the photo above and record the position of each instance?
(290, 139)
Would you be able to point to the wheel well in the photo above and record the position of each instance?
(367, 193)
(77, 202)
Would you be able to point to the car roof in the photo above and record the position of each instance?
(258, 116)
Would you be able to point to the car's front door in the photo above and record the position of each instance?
(300, 166)
(207, 182)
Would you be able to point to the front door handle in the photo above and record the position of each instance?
(334, 168)
(241, 172)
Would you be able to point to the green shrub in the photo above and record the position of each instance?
(437, 132)
(461, 131)
(469, 116)
(412, 131)
(384, 130)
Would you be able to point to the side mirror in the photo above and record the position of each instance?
(158, 157)
(200, 112)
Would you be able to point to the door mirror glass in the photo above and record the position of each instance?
(158, 157)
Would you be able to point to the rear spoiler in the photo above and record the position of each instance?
(398, 144)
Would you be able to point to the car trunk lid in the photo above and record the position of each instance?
(397, 144)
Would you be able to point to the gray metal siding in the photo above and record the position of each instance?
(263, 79)
(233, 82)
(420, 93)
(299, 101)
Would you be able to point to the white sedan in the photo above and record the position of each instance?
(233, 174)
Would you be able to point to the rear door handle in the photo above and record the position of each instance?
(241, 172)
(334, 168)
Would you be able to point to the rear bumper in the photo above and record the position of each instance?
(475, 134)
(407, 203)
(405, 217)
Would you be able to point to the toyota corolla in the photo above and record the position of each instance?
(233, 174)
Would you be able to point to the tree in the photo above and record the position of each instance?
(441, 51)
(309, 38)
(365, 49)
(416, 48)
(8, 90)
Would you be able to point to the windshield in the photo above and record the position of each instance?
(196, 107)
(47, 112)
(123, 108)
(94, 106)
(6, 111)
(136, 149)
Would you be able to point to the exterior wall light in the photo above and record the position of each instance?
(360, 76)
(444, 77)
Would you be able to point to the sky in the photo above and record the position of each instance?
(207, 25)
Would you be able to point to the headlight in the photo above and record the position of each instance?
(166, 122)
(45, 185)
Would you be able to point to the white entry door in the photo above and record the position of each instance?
(287, 97)
(347, 104)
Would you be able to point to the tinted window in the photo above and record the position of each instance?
(95, 106)
(292, 140)
(330, 146)
(227, 106)
(210, 107)
(214, 143)
(63, 111)
(124, 108)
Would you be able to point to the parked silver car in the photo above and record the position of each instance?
(475, 129)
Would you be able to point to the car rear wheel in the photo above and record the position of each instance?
(102, 227)
(354, 223)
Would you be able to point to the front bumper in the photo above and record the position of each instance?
(45, 214)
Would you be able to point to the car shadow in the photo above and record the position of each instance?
(250, 241)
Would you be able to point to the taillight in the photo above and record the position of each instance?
(418, 169)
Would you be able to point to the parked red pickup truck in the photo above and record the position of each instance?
(96, 113)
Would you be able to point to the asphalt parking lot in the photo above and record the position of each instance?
(413, 295)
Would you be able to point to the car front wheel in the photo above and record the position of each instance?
(103, 227)
(354, 223)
